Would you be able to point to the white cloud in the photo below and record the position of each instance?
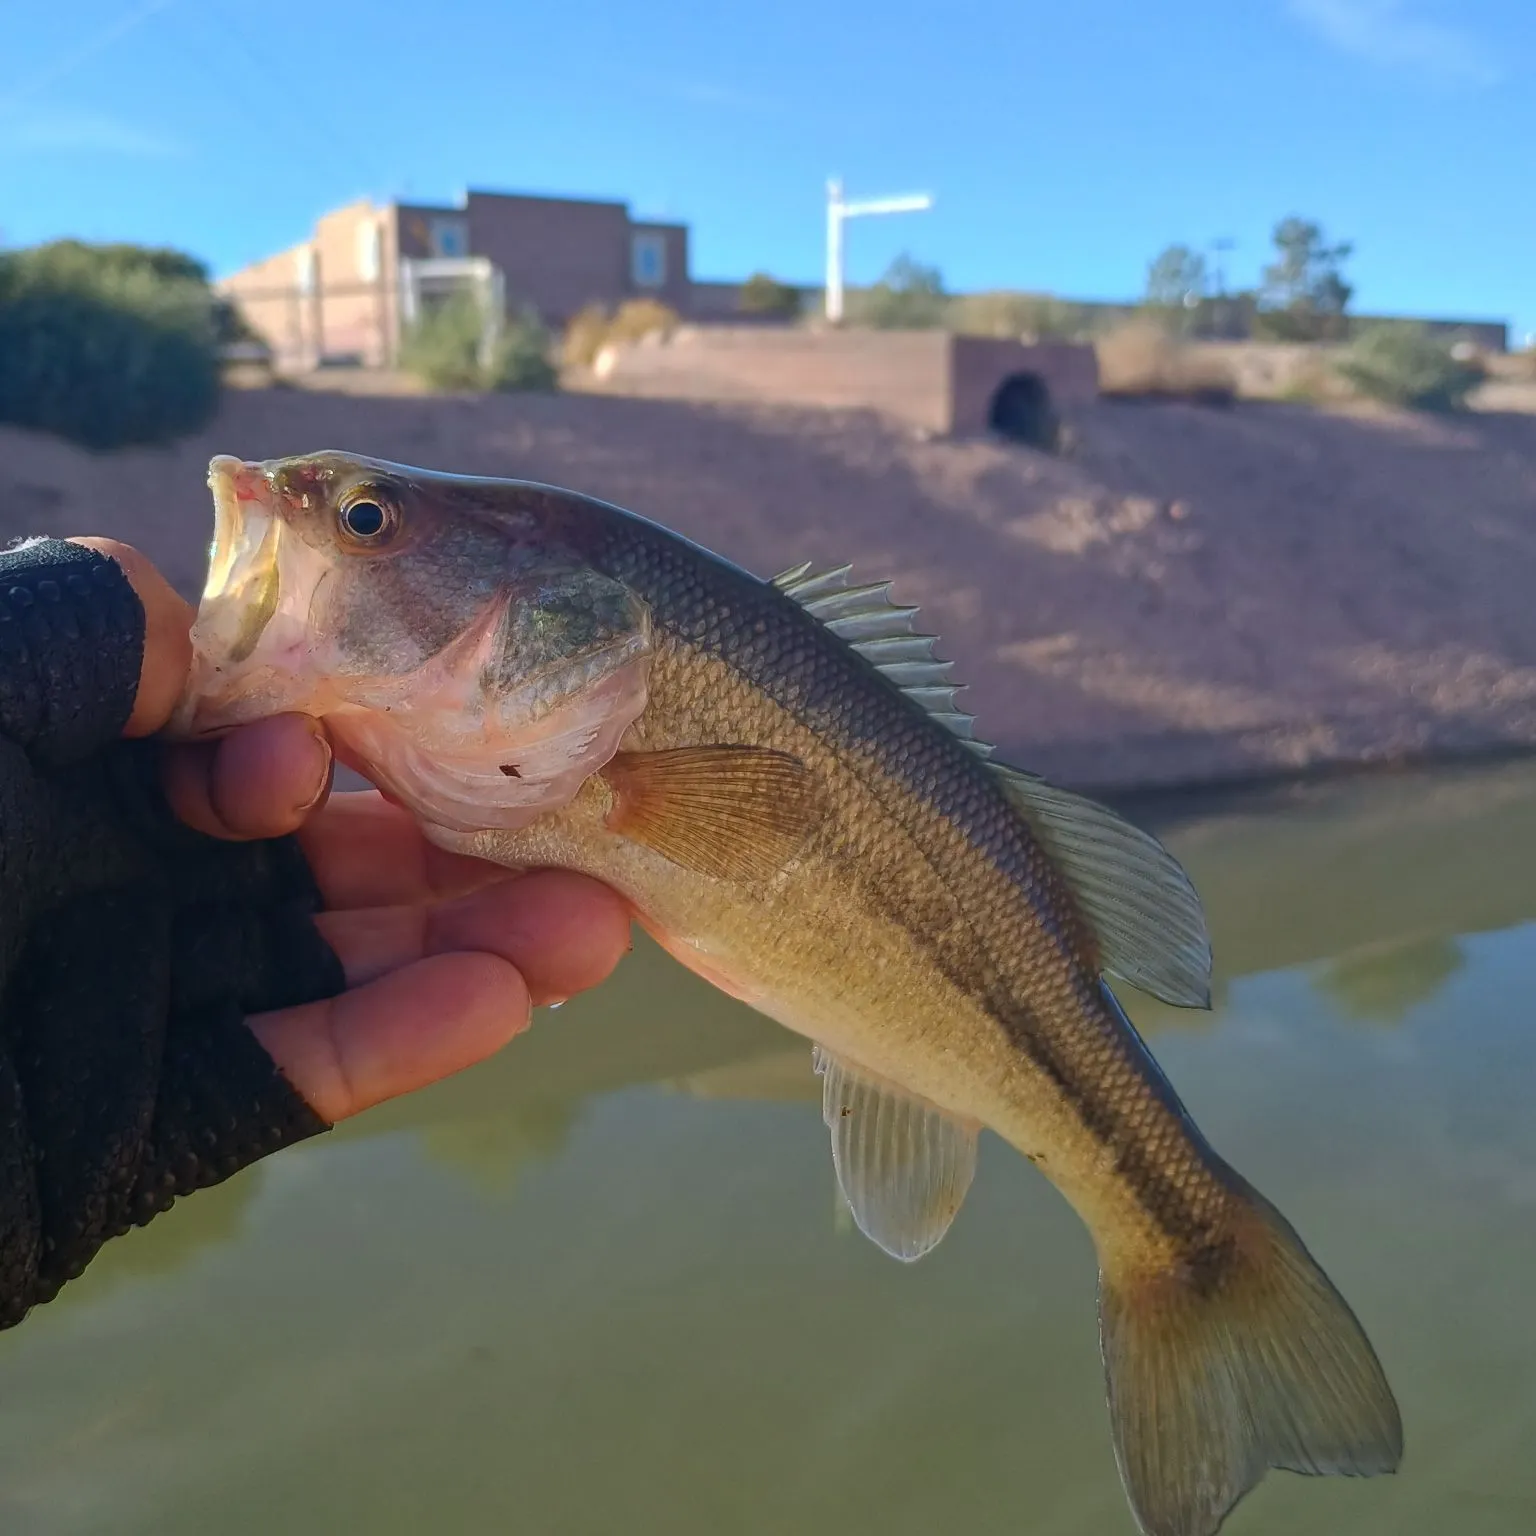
(83, 133)
(1385, 33)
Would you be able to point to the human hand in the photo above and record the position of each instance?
(444, 955)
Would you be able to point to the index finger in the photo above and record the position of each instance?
(167, 636)
(366, 852)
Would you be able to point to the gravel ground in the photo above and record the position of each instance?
(1194, 595)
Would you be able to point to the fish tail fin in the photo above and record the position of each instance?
(1245, 1360)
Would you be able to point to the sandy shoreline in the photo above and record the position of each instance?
(1195, 596)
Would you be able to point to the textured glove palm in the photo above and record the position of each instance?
(131, 947)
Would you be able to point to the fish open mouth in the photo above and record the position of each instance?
(229, 684)
(242, 564)
(491, 728)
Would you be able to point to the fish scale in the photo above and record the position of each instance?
(818, 678)
(778, 777)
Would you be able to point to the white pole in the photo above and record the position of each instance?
(834, 304)
(837, 211)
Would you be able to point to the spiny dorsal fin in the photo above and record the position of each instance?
(1146, 914)
(885, 635)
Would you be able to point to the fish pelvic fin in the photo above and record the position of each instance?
(1218, 1371)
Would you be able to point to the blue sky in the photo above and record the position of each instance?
(1066, 143)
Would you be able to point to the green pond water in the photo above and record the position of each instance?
(603, 1283)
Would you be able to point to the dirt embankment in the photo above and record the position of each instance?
(1194, 595)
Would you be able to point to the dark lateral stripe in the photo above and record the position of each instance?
(721, 610)
(1155, 1188)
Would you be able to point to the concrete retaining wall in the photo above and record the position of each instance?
(928, 379)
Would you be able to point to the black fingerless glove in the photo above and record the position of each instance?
(131, 947)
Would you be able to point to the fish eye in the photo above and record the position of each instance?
(366, 519)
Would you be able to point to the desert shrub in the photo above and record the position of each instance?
(521, 357)
(1002, 314)
(762, 294)
(442, 346)
(108, 346)
(446, 348)
(1406, 365)
(1142, 360)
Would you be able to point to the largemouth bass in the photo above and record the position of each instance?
(778, 778)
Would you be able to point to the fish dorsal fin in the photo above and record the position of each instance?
(902, 1163)
(885, 635)
(1145, 913)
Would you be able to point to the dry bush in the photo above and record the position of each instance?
(636, 319)
(592, 328)
(1142, 361)
(585, 333)
(1315, 381)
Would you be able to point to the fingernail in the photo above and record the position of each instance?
(325, 765)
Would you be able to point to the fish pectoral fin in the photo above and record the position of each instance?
(903, 1164)
(729, 812)
(1144, 912)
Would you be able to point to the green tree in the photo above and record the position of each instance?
(763, 294)
(1304, 295)
(1176, 278)
(909, 297)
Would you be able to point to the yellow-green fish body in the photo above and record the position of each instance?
(776, 776)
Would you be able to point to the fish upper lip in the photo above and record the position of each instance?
(234, 483)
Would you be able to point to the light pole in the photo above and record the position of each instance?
(838, 210)
(1222, 247)
(1221, 320)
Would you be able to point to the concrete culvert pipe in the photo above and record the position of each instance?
(1021, 411)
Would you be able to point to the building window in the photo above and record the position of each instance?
(648, 259)
(304, 268)
(449, 238)
(368, 251)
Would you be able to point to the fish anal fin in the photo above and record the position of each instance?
(903, 1164)
(1144, 912)
(729, 812)
(1222, 1368)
